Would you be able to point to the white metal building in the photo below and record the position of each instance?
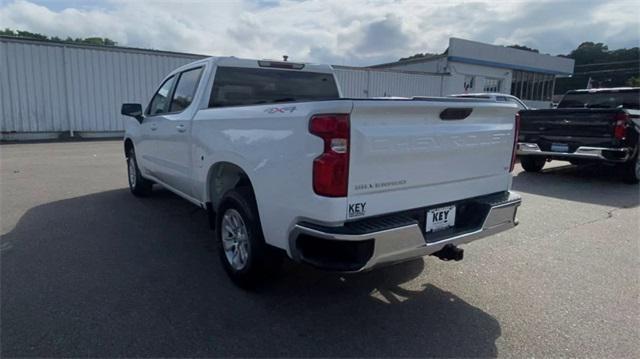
(49, 89)
(358, 82)
(478, 67)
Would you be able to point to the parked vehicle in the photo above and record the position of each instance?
(596, 125)
(500, 97)
(283, 164)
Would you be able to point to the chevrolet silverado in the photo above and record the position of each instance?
(285, 166)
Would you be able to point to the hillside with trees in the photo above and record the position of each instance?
(603, 67)
(594, 62)
(96, 41)
(424, 55)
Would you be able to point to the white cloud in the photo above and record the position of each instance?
(353, 32)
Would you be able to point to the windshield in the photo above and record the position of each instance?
(626, 99)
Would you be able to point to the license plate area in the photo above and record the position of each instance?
(559, 147)
(440, 218)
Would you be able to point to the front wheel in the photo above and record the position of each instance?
(246, 257)
(532, 163)
(138, 185)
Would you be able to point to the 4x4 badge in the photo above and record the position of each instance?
(286, 109)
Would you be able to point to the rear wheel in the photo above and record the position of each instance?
(138, 185)
(532, 163)
(246, 257)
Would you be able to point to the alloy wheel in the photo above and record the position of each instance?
(235, 239)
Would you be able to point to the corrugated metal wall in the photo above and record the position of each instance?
(47, 87)
(362, 83)
(50, 88)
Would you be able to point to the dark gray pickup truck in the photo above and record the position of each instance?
(589, 125)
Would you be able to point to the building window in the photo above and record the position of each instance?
(533, 86)
(492, 85)
(469, 82)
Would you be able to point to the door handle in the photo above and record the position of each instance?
(181, 128)
(154, 127)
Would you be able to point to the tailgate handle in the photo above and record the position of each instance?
(455, 113)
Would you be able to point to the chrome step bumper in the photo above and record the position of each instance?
(408, 241)
(584, 152)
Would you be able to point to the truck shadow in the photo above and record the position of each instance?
(589, 183)
(108, 274)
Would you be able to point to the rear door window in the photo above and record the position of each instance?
(238, 86)
(160, 102)
(185, 89)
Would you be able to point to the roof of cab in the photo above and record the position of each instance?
(231, 61)
(483, 94)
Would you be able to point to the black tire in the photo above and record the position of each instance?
(139, 186)
(262, 260)
(631, 170)
(532, 163)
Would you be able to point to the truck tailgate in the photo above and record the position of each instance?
(404, 156)
(575, 127)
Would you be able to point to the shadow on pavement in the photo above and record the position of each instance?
(111, 275)
(589, 183)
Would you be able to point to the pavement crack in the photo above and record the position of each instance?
(607, 216)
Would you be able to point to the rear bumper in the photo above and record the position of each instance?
(582, 152)
(401, 240)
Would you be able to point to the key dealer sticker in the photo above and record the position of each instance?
(357, 209)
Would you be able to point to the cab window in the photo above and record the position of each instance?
(185, 89)
(238, 86)
(160, 102)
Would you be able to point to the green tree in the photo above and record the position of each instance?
(418, 55)
(608, 68)
(31, 35)
(97, 41)
(525, 48)
(92, 41)
(634, 81)
(7, 32)
(589, 53)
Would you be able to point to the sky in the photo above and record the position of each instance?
(342, 32)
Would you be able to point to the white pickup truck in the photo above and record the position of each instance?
(284, 164)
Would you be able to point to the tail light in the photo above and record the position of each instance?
(516, 133)
(331, 168)
(621, 120)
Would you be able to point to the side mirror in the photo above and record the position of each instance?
(133, 110)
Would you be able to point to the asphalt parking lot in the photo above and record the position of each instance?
(89, 270)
